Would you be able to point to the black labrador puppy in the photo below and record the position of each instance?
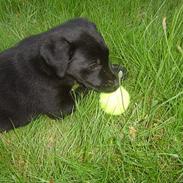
(37, 75)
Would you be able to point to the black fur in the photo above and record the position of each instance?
(36, 76)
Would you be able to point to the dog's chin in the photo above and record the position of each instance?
(90, 86)
(100, 88)
(108, 90)
(105, 90)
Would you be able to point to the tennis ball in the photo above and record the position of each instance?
(115, 103)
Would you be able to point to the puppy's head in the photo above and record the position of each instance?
(77, 49)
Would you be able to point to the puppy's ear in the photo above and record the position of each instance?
(56, 55)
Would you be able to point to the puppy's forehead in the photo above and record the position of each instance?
(81, 33)
(92, 43)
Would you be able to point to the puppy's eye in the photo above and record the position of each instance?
(93, 66)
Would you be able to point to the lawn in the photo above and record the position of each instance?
(143, 145)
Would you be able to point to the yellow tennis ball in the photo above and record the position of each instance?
(115, 103)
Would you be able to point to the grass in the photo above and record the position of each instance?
(143, 145)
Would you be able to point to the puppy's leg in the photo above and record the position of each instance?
(5, 124)
(64, 108)
(12, 122)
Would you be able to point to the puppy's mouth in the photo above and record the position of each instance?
(107, 89)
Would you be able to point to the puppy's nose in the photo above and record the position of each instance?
(115, 68)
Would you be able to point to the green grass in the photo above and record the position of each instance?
(143, 145)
